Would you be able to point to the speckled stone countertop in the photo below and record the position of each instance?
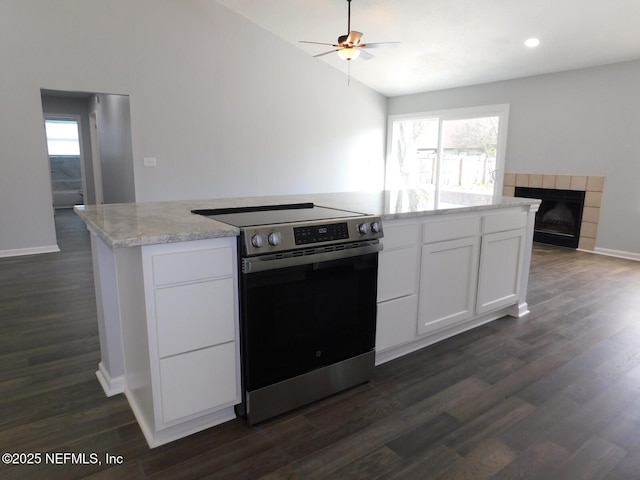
(137, 224)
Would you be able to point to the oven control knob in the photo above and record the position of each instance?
(274, 238)
(376, 227)
(257, 240)
(363, 228)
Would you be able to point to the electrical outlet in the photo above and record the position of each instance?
(149, 161)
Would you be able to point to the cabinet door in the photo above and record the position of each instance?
(448, 281)
(396, 322)
(501, 257)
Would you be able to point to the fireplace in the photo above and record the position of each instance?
(593, 185)
(559, 217)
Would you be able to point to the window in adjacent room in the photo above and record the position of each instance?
(434, 157)
(63, 144)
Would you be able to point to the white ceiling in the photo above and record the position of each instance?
(452, 43)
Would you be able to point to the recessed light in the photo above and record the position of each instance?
(532, 42)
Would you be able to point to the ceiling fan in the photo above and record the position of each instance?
(349, 46)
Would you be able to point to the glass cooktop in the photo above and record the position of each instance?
(274, 214)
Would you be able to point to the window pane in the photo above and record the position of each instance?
(63, 145)
(412, 166)
(62, 137)
(469, 155)
(65, 173)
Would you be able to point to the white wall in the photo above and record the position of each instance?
(225, 107)
(583, 122)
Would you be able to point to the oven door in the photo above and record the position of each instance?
(300, 318)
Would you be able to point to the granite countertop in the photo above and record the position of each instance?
(137, 224)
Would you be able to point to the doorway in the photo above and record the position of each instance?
(102, 151)
(104, 131)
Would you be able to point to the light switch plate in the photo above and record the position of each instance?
(149, 161)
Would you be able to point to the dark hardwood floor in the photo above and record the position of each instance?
(555, 395)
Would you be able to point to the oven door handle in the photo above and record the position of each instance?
(272, 262)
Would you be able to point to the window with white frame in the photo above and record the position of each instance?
(434, 158)
(62, 136)
(63, 145)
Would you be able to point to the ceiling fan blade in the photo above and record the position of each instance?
(353, 38)
(319, 43)
(380, 45)
(365, 55)
(327, 53)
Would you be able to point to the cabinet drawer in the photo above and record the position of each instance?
(396, 322)
(450, 229)
(398, 236)
(192, 265)
(194, 316)
(500, 222)
(198, 381)
(397, 273)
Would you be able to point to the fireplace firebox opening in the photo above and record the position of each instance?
(559, 217)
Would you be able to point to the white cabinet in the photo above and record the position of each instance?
(396, 322)
(181, 339)
(397, 273)
(197, 381)
(501, 260)
(194, 315)
(192, 319)
(470, 268)
(448, 277)
(397, 285)
(448, 273)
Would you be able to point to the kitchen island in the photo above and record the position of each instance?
(166, 291)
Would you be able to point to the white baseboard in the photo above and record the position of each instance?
(16, 252)
(165, 434)
(617, 253)
(110, 385)
(431, 338)
(519, 310)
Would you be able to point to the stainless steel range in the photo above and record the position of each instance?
(308, 287)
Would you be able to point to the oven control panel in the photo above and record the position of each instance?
(290, 236)
(320, 233)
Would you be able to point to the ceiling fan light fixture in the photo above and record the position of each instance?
(349, 53)
(349, 46)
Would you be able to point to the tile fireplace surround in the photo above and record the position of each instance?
(593, 186)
